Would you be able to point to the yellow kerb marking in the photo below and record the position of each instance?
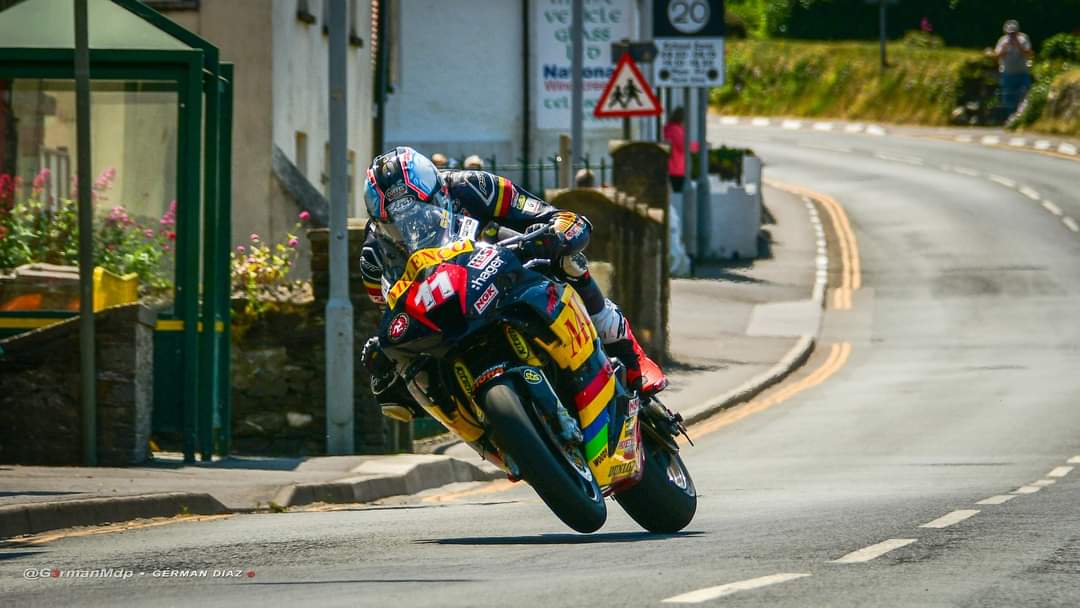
(494, 487)
(48, 537)
(838, 356)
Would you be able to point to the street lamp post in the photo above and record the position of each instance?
(87, 365)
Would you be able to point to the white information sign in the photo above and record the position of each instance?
(689, 62)
(606, 21)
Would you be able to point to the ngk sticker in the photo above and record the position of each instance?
(486, 299)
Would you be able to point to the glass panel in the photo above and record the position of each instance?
(133, 155)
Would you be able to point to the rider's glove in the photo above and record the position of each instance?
(567, 234)
(546, 246)
(378, 365)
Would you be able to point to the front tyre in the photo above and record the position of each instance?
(665, 500)
(577, 501)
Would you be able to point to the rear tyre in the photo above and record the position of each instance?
(577, 501)
(665, 500)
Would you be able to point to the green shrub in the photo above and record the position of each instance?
(1062, 47)
(922, 40)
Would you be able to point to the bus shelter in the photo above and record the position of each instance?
(161, 103)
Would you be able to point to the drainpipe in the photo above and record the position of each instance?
(87, 367)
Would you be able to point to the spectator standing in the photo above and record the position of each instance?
(585, 179)
(440, 161)
(474, 163)
(1013, 53)
(675, 134)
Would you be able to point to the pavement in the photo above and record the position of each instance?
(735, 330)
(926, 453)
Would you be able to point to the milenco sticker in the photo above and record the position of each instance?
(420, 260)
(486, 299)
(398, 327)
(531, 376)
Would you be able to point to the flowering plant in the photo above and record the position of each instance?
(38, 228)
(260, 271)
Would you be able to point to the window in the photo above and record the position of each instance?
(303, 12)
(301, 153)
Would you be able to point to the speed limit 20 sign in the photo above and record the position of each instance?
(689, 36)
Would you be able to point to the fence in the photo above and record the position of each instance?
(538, 176)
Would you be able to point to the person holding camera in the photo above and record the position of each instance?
(1013, 53)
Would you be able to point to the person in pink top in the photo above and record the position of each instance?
(675, 134)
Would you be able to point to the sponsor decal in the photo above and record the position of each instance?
(418, 261)
(635, 405)
(395, 191)
(532, 206)
(489, 271)
(464, 378)
(574, 230)
(600, 458)
(488, 374)
(482, 257)
(518, 343)
(621, 470)
(486, 299)
(398, 327)
(532, 376)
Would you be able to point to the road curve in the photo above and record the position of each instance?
(927, 465)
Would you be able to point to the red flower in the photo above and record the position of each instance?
(170, 235)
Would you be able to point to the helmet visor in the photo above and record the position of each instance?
(412, 225)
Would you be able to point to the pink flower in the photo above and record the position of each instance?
(254, 238)
(304, 216)
(240, 249)
(41, 178)
(169, 218)
(148, 233)
(294, 242)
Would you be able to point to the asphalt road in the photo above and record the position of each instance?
(953, 378)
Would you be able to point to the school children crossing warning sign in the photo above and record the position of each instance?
(627, 94)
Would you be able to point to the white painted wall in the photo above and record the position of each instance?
(458, 81)
(300, 81)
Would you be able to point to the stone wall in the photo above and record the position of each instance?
(40, 412)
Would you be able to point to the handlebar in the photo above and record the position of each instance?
(510, 243)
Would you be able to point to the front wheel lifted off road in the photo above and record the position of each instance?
(665, 500)
(576, 501)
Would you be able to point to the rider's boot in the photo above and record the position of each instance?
(642, 373)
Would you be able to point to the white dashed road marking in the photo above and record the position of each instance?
(964, 139)
(854, 128)
(1071, 223)
(991, 140)
(1074, 460)
(823, 126)
(711, 593)
(1060, 471)
(792, 125)
(1052, 208)
(1026, 490)
(874, 551)
(1044, 482)
(729, 120)
(1067, 149)
(1004, 181)
(1018, 142)
(826, 147)
(875, 130)
(947, 520)
(966, 171)
(996, 500)
(1030, 193)
(911, 160)
(760, 122)
(1042, 144)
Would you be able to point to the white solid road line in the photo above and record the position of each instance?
(1004, 181)
(1052, 208)
(873, 551)
(711, 593)
(1074, 460)
(966, 171)
(1060, 471)
(996, 500)
(1026, 490)
(947, 520)
(1030, 193)
(1071, 223)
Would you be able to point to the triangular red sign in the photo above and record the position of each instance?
(627, 93)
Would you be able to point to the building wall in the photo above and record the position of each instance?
(457, 77)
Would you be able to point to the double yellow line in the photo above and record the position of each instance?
(850, 266)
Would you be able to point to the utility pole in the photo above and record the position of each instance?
(87, 365)
(577, 60)
(339, 311)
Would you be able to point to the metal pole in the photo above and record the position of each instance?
(339, 311)
(704, 214)
(881, 25)
(87, 367)
(577, 39)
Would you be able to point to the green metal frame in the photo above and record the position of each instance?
(202, 322)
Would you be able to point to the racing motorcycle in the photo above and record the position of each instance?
(507, 358)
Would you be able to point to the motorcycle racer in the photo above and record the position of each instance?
(494, 202)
